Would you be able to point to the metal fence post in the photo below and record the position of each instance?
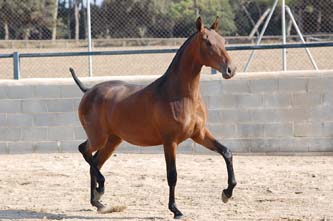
(16, 60)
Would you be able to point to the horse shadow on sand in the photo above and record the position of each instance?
(28, 214)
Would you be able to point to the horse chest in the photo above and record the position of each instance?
(178, 118)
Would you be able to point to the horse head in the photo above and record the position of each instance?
(212, 50)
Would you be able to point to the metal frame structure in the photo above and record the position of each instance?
(284, 8)
(16, 56)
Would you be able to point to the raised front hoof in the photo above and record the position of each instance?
(179, 216)
(225, 196)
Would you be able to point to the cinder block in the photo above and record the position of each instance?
(308, 129)
(186, 146)
(34, 134)
(232, 116)
(238, 145)
(10, 106)
(69, 146)
(46, 147)
(328, 82)
(47, 91)
(125, 147)
(316, 84)
(68, 119)
(250, 101)
(214, 115)
(3, 148)
(3, 120)
(328, 129)
(277, 100)
(299, 114)
(221, 101)
(250, 130)
(56, 119)
(278, 130)
(20, 92)
(270, 115)
(263, 85)
(20, 147)
(265, 145)
(60, 105)
(236, 87)
(321, 113)
(293, 144)
(320, 144)
(60, 133)
(10, 134)
(79, 133)
(152, 149)
(19, 120)
(3, 92)
(307, 99)
(70, 91)
(223, 130)
(45, 119)
(328, 98)
(34, 106)
(292, 85)
(208, 88)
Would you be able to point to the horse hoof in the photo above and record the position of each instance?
(179, 216)
(225, 198)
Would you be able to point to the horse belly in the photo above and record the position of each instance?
(135, 126)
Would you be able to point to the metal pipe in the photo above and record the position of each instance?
(302, 39)
(261, 35)
(284, 39)
(89, 38)
(16, 60)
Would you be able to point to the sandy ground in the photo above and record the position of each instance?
(55, 187)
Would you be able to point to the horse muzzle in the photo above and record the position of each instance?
(228, 71)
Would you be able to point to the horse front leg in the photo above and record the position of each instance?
(170, 159)
(206, 139)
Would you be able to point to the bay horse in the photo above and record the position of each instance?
(167, 111)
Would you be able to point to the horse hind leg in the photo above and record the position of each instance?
(98, 161)
(95, 175)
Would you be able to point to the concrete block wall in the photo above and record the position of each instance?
(253, 112)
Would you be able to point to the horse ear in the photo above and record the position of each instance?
(199, 24)
(215, 24)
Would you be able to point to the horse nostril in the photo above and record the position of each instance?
(229, 70)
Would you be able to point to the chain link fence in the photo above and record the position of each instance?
(61, 26)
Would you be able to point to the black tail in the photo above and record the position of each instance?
(77, 81)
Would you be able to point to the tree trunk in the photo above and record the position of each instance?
(54, 20)
(77, 19)
(6, 30)
(69, 31)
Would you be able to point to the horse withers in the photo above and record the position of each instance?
(167, 111)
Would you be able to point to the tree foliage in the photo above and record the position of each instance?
(42, 19)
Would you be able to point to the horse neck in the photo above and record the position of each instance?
(183, 76)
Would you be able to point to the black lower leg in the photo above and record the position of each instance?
(227, 155)
(92, 161)
(94, 195)
(172, 180)
(95, 176)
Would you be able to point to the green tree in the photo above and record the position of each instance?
(184, 14)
